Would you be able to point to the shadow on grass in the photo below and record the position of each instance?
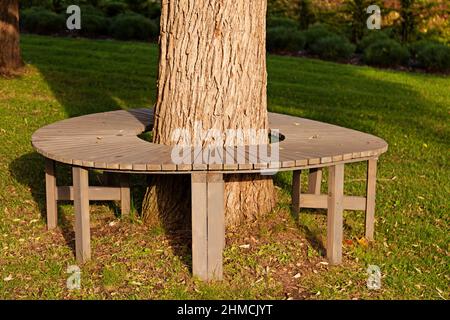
(312, 236)
(28, 170)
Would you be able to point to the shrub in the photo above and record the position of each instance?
(42, 21)
(434, 57)
(153, 10)
(275, 22)
(113, 8)
(298, 41)
(315, 33)
(416, 47)
(285, 39)
(386, 53)
(133, 26)
(371, 38)
(91, 10)
(333, 47)
(93, 25)
(93, 21)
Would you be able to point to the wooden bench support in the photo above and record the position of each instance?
(314, 180)
(370, 200)
(296, 192)
(81, 194)
(321, 202)
(81, 205)
(125, 197)
(208, 225)
(56, 193)
(95, 193)
(51, 194)
(335, 203)
(335, 212)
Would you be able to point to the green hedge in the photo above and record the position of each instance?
(433, 56)
(133, 26)
(275, 22)
(42, 21)
(315, 33)
(333, 47)
(371, 38)
(285, 39)
(386, 53)
(113, 8)
(94, 23)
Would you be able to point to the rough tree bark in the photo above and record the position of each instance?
(10, 60)
(212, 70)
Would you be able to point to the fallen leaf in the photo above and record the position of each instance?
(8, 278)
(363, 242)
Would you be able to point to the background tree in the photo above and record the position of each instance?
(356, 16)
(408, 19)
(305, 14)
(10, 59)
(212, 69)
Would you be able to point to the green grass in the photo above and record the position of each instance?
(67, 78)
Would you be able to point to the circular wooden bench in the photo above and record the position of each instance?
(109, 141)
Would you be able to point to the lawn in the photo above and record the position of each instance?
(275, 258)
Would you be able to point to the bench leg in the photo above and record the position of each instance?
(208, 226)
(125, 198)
(81, 205)
(314, 181)
(50, 192)
(370, 198)
(296, 191)
(335, 214)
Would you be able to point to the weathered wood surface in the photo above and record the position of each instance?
(110, 141)
(371, 195)
(51, 194)
(81, 206)
(335, 214)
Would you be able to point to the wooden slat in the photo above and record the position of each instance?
(66, 193)
(314, 201)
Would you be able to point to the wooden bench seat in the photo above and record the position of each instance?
(109, 141)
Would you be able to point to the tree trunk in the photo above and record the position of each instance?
(10, 60)
(212, 71)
